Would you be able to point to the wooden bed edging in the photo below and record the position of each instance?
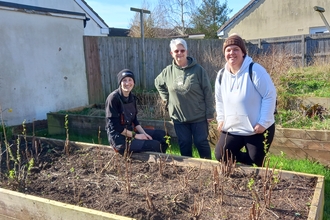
(15, 205)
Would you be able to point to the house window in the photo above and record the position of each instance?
(318, 30)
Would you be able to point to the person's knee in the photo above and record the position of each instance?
(185, 141)
(161, 133)
(217, 156)
(217, 151)
(157, 146)
(202, 143)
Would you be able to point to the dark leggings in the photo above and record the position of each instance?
(157, 144)
(256, 147)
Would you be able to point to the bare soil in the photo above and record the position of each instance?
(98, 178)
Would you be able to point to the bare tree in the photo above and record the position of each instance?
(177, 14)
(168, 18)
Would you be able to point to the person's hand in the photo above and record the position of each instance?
(141, 137)
(258, 129)
(220, 124)
(148, 136)
(209, 120)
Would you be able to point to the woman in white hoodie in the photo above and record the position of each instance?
(245, 106)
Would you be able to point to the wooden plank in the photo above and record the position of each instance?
(92, 59)
(15, 205)
(55, 123)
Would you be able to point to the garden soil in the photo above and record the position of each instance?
(98, 178)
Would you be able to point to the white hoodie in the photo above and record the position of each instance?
(241, 103)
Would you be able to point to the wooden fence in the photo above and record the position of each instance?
(106, 56)
(302, 48)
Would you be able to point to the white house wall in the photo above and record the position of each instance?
(92, 29)
(42, 65)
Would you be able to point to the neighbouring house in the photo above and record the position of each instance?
(42, 58)
(261, 19)
(118, 32)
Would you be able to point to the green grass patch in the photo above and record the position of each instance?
(307, 81)
(299, 120)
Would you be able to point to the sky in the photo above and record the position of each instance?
(117, 13)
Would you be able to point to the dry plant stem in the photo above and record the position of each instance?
(197, 208)
(215, 179)
(117, 164)
(128, 174)
(265, 179)
(269, 182)
(149, 201)
(270, 211)
(97, 166)
(28, 155)
(66, 146)
(184, 180)
(272, 184)
(197, 174)
(99, 136)
(75, 194)
(161, 165)
(256, 197)
(108, 164)
(221, 194)
(228, 166)
(37, 151)
(254, 212)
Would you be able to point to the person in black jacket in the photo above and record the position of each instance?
(121, 120)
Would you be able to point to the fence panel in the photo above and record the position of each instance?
(106, 56)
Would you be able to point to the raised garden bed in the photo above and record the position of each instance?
(92, 182)
(93, 122)
(295, 143)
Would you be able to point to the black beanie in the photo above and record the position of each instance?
(125, 73)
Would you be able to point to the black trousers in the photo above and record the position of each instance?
(256, 146)
(157, 144)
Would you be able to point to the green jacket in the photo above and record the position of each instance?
(187, 92)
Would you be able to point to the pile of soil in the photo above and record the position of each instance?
(98, 178)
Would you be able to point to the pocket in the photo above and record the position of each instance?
(237, 122)
(200, 107)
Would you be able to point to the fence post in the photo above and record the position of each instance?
(303, 50)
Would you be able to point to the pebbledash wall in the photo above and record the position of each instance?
(42, 62)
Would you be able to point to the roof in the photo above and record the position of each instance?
(236, 17)
(40, 10)
(93, 15)
(118, 32)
